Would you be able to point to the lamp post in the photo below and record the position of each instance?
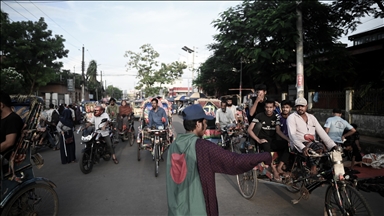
(241, 77)
(189, 50)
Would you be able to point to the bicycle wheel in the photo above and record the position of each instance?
(131, 138)
(231, 144)
(34, 199)
(56, 138)
(247, 183)
(346, 201)
(157, 159)
(297, 172)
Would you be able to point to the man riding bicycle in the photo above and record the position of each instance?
(301, 123)
(125, 112)
(157, 118)
(224, 117)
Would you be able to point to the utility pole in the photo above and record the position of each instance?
(241, 77)
(101, 81)
(82, 77)
(299, 53)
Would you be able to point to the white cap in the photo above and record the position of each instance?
(300, 102)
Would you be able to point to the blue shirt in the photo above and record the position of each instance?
(336, 127)
(282, 122)
(155, 118)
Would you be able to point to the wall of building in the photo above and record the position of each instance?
(368, 125)
(62, 90)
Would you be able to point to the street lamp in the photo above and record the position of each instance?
(189, 50)
(241, 77)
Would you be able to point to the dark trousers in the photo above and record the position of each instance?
(109, 144)
(278, 146)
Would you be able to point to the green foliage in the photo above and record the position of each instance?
(32, 50)
(264, 35)
(91, 79)
(11, 81)
(152, 74)
(114, 92)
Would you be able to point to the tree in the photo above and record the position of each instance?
(92, 84)
(114, 92)
(151, 73)
(11, 80)
(31, 49)
(263, 34)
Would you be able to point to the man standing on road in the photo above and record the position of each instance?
(335, 126)
(301, 123)
(192, 163)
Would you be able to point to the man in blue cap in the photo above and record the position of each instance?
(192, 163)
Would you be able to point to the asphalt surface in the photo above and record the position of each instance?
(131, 188)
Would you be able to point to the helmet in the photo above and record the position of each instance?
(98, 111)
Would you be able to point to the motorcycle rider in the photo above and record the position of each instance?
(99, 115)
(113, 112)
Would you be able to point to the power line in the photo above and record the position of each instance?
(15, 10)
(90, 54)
(27, 10)
(54, 21)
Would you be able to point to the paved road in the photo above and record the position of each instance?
(130, 188)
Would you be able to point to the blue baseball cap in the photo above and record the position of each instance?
(195, 112)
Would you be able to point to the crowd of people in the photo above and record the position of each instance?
(273, 127)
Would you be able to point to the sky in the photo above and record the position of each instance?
(108, 29)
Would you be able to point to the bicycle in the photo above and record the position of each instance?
(159, 142)
(128, 131)
(341, 198)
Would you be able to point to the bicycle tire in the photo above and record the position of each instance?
(297, 172)
(131, 138)
(57, 141)
(86, 163)
(353, 203)
(247, 183)
(25, 202)
(157, 159)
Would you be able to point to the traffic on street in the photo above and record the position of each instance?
(130, 188)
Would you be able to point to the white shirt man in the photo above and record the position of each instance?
(224, 116)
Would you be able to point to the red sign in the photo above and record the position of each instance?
(300, 80)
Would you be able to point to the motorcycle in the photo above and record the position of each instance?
(95, 147)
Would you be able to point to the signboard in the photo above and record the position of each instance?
(70, 85)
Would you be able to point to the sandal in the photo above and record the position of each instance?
(279, 180)
(115, 160)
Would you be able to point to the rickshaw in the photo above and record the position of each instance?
(157, 140)
(21, 192)
(210, 107)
